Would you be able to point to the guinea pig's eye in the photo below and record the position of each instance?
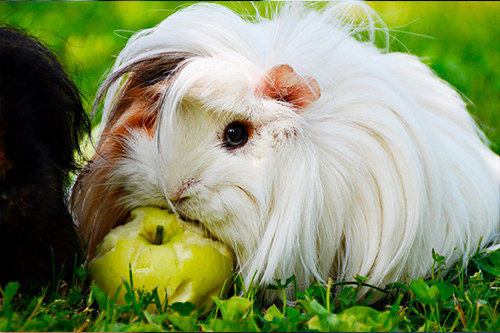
(236, 135)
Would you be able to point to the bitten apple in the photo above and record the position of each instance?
(184, 264)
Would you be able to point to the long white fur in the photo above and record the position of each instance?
(384, 167)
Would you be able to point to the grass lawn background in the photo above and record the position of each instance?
(459, 40)
(461, 43)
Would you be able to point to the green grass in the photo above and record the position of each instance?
(460, 41)
(463, 300)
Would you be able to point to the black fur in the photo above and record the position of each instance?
(41, 123)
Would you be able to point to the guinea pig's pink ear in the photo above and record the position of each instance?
(282, 83)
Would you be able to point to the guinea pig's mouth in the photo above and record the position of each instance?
(186, 219)
(197, 225)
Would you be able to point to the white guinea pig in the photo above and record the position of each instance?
(306, 150)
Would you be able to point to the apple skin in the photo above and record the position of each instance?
(187, 266)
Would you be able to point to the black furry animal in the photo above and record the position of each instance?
(41, 123)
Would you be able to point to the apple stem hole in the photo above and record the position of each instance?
(159, 235)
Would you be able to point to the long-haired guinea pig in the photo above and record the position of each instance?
(306, 149)
(41, 123)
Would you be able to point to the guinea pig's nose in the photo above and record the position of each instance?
(182, 190)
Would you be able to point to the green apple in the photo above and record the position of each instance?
(185, 265)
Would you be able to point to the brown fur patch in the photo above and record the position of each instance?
(96, 198)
